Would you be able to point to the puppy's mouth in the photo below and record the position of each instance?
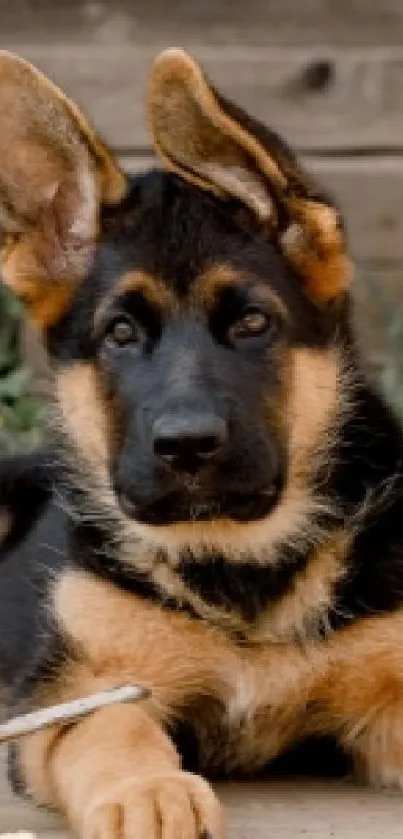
(176, 507)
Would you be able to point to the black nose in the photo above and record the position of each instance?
(186, 440)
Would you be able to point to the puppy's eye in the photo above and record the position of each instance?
(122, 332)
(252, 324)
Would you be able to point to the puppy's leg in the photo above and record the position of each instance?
(116, 775)
(363, 696)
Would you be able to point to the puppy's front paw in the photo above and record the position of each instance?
(174, 806)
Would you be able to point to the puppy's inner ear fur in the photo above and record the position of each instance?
(195, 137)
(215, 145)
(54, 174)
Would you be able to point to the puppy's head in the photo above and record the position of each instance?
(192, 314)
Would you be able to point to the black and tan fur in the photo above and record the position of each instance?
(247, 563)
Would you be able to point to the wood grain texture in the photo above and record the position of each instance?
(281, 809)
(320, 98)
(263, 22)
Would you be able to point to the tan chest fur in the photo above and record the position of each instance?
(246, 701)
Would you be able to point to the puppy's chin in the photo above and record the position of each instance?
(289, 519)
(186, 508)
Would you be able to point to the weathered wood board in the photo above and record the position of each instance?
(328, 75)
(321, 98)
(265, 22)
(278, 809)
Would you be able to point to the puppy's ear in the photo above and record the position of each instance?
(215, 145)
(54, 176)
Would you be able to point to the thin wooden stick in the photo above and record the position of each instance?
(68, 712)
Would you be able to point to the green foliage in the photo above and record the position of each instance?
(19, 411)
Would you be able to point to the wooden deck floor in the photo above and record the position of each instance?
(285, 810)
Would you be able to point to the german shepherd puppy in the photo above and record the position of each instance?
(220, 514)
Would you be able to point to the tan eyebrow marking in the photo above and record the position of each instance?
(154, 290)
(208, 286)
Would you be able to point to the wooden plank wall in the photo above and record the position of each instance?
(326, 73)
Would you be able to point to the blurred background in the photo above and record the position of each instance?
(328, 74)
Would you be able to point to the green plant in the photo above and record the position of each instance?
(19, 410)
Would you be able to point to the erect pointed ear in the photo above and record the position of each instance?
(54, 176)
(215, 145)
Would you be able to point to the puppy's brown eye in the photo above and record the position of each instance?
(122, 332)
(251, 325)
